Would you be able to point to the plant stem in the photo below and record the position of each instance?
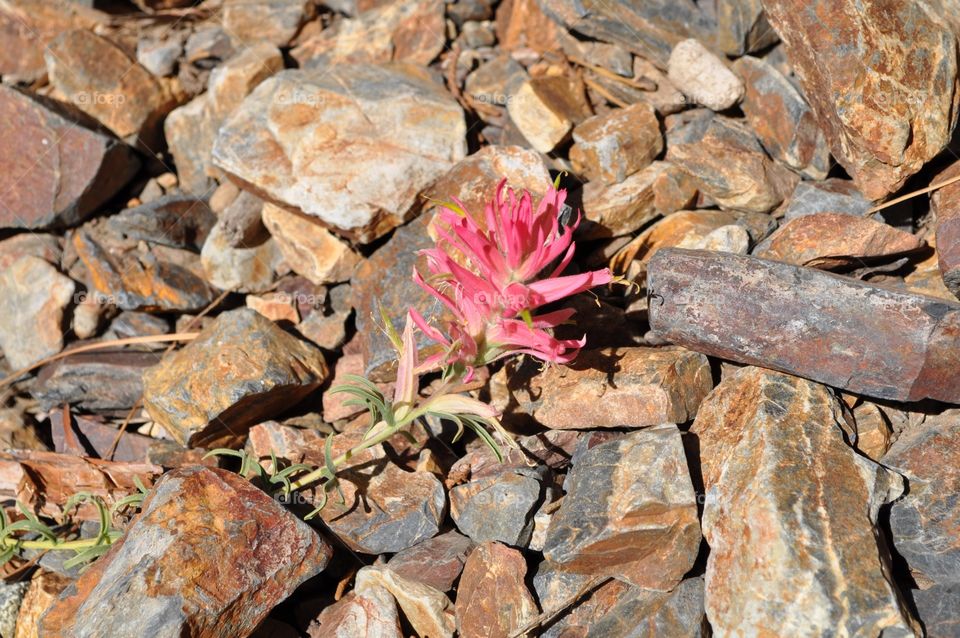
(82, 543)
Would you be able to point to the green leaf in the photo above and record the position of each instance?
(85, 555)
(451, 205)
(389, 328)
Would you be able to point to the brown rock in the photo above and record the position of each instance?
(728, 164)
(93, 438)
(308, 248)
(895, 111)
(836, 330)
(371, 613)
(611, 146)
(100, 79)
(428, 610)
(630, 511)
(240, 219)
(791, 514)
(276, 21)
(545, 109)
(522, 24)
(27, 27)
(63, 168)
(412, 31)
(45, 587)
(945, 204)
(315, 140)
(241, 370)
(873, 430)
(831, 241)
(436, 562)
(34, 295)
(831, 195)
(782, 120)
(94, 381)
(275, 306)
(623, 208)
(493, 82)
(612, 388)
(742, 27)
(492, 599)
(174, 573)
(46, 247)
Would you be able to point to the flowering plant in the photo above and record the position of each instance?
(492, 275)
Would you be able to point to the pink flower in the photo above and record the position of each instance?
(505, 279)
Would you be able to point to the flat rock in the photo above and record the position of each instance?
(315, 140)
(545, 110)
(727, 162)
(937, 608)
(62, 184)
(412, 31)
(946, 206)
(831, 241)
(436, 562)
(781, 119)
(828, 196)
(35, 296)
(241, 370)
(94, 381)
(630, 511)
(894, 111)
(807, 322)
(100, 79)
(924, 521)
(276, 21)
(703, 77)
(499, 507)
(42, 245)
(791, 514)
(623, 208)
(175, 573)
(492, 599)
(611, 146)
(308, 248)
(611, 388)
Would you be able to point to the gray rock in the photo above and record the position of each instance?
(11, 595)
(500, 506)
(939, 610)
(436, 561)
(94, 381)
(678, 614)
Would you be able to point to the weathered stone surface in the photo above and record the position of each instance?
(781, 118)
(240, 220)
(100, 79)
(191, 129)
(839, 331)
(742, 27)
(937, 608)
(275, 21)
(499, 507)
(832, 241)
(411, 31)
(623, 208)
(649, 29)
(884, 111)
(34, 296)
(436, 562)
(522, 24)
(44, 589)
(46, 247)
(27, 27)
(493, 82)
(791, 513)
(492, 599)
(95, 381)
(873, 430)
(828, 196)
(63, 168)
(545, 110)
(945, 204)
(315, 140)
(427, 609)
(728, 239)
(385, 280)
(275, 306)
(174, 573)
(611, 388)
(727, 163)
(630, 511)
(308, 248)
(924, 522)
(241, 370)
(611, 146)
(703, 77)
(244, 268)
(371, 613)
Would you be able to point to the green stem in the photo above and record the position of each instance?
(83, 543)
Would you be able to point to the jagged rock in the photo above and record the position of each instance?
(937, 608)
(945, 204)
(884, 111)
(742, 27)
(614, 145)
(828, 196)
(315, 140)
(492, 599)
(703, 77)
(308, 248)
(175, 574)
(95, 381)
(791, 514)
(436, 562)
(28, 27)
(623, 208)
(243, 269)
(241, 370)
(545, 110)
(629, 511)
(427, 609)
(371, 613)
(499, 506)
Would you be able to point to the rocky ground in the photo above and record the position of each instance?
(205, 205)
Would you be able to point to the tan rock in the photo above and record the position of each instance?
(623, 208)
(45, 587)
(703, 77)
(368, 614)
(545, 109)
(28, 27)
(614, 145)
(428, 610)
(611, 388)
(276, 21)
(244, 269)
(492, 599)
(791, 514)
(275, 306)
(308, 248)
(874, 434)
(523, 24)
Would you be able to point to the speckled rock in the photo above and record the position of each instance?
(315, 140)
(611, 146)
(703, 77)
(241, 370)
(209, 555)
(62, 184)
(884, 111)
(630, 511)
(791, 514)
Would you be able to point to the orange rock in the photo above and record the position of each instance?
(492, 599)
